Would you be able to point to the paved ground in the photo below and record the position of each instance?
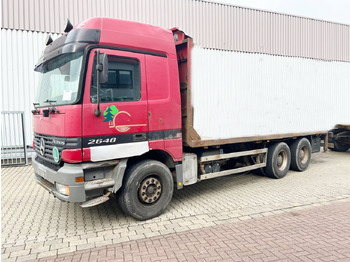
(314, 234)
(35, 225)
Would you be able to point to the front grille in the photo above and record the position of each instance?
(42, 161)
(50, 142)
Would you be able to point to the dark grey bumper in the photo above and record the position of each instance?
(66, 175)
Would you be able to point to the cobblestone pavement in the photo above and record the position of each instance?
(314, 234)
(35, 225)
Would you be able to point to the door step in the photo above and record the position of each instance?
(96, 201)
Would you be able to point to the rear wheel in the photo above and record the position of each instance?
(300, 154)
(147, 190)
(340, 140)
(341, 147)
(278, 160)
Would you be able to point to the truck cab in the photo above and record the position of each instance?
(92, 117)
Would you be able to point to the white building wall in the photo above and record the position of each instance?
(237, 94)
(213, 25)
(19, 53)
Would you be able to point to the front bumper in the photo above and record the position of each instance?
(66, 175)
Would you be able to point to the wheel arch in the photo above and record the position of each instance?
(158, 155)
(290, 141)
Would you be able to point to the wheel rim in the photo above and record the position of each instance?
(150, 190)
(304, 154)
(282, 160)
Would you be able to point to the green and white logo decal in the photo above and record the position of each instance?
(109, 113)
(55, 154)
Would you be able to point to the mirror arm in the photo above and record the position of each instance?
(98, 69)
(36, 110)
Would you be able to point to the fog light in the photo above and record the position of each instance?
(62, 189)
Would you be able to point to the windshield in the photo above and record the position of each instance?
(59, 80)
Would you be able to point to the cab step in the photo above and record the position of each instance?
(96, 201)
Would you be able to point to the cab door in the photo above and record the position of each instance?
(121, 130)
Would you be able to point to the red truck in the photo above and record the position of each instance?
(114, 115)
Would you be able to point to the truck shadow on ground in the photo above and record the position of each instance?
(194, 195)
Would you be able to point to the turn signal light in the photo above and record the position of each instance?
(79, 179)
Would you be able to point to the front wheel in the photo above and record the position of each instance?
(147, 190)
(278, 160)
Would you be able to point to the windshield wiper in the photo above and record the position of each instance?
(36, 110)
(53, 109)
(50, 101)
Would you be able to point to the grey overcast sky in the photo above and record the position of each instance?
(330, 10)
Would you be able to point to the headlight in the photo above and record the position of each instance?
(62, 189)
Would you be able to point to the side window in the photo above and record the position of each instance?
(123, 81)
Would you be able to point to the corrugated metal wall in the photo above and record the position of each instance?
(25, 24)
(19, 53)
(211, 25)
(259, 94)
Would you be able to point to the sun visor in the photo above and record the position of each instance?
(75, 41)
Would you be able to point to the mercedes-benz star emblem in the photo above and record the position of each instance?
(42, 146)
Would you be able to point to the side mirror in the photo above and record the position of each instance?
(102, 76)
(104, 72)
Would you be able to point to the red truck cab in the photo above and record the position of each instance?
(86, 131)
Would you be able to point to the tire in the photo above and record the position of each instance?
(300, 154)
(278, 160)
(147, 190)
(340, 147)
